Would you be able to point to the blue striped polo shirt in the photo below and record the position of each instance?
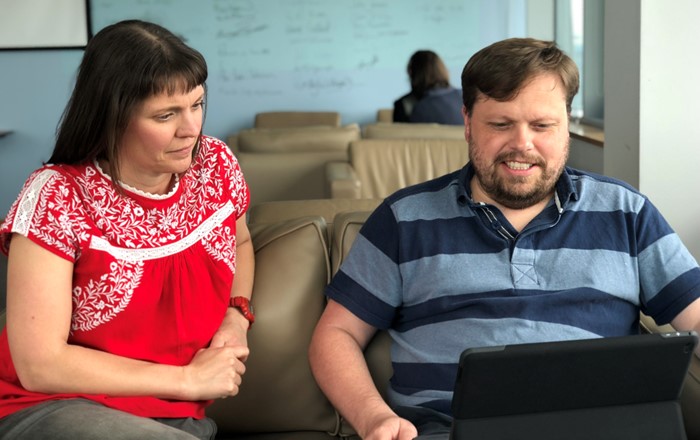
(442, 274)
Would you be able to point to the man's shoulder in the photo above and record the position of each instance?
(598, 192)
(434, 189)
(588, 178)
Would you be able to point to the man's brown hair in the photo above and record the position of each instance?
(500, 71)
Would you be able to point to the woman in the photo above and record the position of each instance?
(130, 262)
(431, 99)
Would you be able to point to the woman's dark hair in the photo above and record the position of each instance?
(124, 64)
(500, 70)
(426, 71)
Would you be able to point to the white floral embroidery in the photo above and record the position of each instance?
(74, 209)
(101, 300)
(220, 246)
(144, 254)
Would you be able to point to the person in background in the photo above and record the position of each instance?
(130, 263)
(513, 248)
(431, 99)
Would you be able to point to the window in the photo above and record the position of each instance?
(579, 32)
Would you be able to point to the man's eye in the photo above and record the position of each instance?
(543, 127)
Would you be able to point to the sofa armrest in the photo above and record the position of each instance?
(232, 142)
(342, 181)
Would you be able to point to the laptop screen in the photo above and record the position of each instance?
(566, 375)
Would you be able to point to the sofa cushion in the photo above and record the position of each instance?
(279, 393)
(296, 139)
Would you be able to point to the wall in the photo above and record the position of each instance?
(652, 137)
(343, 55)
(586, 156)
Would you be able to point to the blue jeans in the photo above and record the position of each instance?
(78, 419)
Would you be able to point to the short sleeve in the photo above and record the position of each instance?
(48, 212)
(234, 175)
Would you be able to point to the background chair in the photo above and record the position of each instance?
(385, 115)
(285, 119)
(409, 130)
(289, 163)
(379, 167)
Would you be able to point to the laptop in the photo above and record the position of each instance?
(615, 388)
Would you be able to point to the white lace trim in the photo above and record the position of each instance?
(136, 255)
(138, 191)
(28, 202)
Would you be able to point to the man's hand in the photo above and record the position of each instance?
(390, 427)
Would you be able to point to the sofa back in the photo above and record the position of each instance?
(279, 393)
(289, 163)
(296, 119)
(406, 130)
(328, 209)
(384, 166)
(297, 139)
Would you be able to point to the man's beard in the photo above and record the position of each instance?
(515, 192)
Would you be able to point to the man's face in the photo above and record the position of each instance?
(519, 148)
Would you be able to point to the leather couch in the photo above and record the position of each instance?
(410, 130)
(298, 247)
(289, 163)
(279, 119)
(378, 167)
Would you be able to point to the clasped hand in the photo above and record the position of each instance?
(216, 371)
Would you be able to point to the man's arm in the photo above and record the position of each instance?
(339, 366)
(689, 319)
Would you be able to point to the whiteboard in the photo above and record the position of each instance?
(341, 55)
(43, 24)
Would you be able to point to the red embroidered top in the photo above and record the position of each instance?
(152, 274)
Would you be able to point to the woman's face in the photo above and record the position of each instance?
(160, 138)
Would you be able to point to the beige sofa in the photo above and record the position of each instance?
(406, 130)
(289, 163)
(283, 119)
(379, 167)
(298, 246)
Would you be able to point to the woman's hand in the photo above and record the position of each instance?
(215, 372)
(233, 332)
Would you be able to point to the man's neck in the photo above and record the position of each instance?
(518, 218)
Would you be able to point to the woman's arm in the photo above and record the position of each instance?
(39, 305)
(234, 328)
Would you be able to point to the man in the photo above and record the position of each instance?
(513, 248)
